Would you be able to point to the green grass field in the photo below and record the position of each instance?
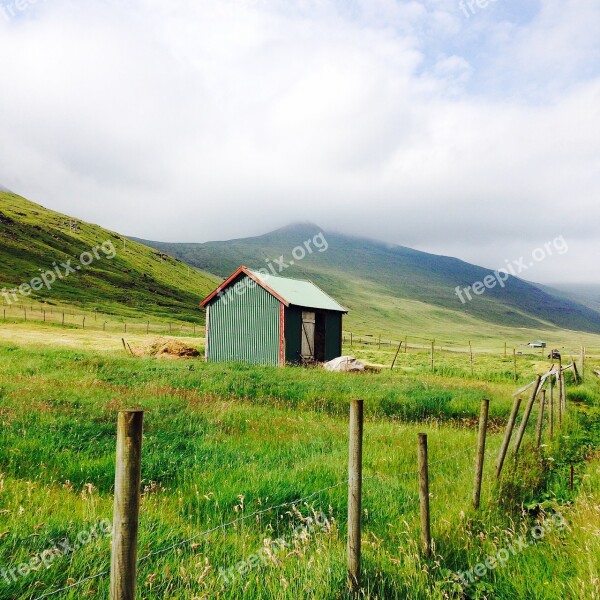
(223, 442)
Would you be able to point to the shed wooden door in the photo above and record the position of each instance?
(308, 334)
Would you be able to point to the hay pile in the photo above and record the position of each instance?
(165, 348)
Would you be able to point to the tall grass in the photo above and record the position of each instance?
(224, 441)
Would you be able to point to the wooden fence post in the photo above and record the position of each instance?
(559, 402)
(505, 349)
(395, 357)
(507, 435)
(471, 356)
(551, 407)
(63, 319)
(424, 496)
(405, 345)
(351, 339)
(433, 355)
(559, 377)
(123, 562)
(355, 493)
(575, 371)
(526, 414)
(540, 421)
(483, 419)
(582, 363)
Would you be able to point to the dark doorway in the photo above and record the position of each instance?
(320, 337)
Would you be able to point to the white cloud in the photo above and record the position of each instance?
(405, 121)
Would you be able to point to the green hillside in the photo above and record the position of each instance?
(123, 276)
(393, 287)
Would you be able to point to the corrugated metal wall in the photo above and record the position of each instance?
(244, 326)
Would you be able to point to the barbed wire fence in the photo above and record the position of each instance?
(91, 320)
(302, 500)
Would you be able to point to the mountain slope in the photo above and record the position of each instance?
(34, 240)
(586, 294)
(368, 276)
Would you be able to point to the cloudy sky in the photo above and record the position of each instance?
(468, 129)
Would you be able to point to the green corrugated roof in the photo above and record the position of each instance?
(300, 292)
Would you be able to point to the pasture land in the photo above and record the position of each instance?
(223, 443)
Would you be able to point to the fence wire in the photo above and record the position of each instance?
(250, 516)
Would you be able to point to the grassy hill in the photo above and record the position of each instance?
(393, 287)
(123, 277)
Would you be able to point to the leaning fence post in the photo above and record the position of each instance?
(526, 414)
(424, 496)
(355, 493)
(483, 418)
(562, 389)
(507, 435)
(540, 421)
(395, 357)
(123, 562)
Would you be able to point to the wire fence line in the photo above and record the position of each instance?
(422, 343)
(95, 321)
(73, 585)
(254, 514)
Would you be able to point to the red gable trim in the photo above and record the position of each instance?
(281, 335)
(232, 278)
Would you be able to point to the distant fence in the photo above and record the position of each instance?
(95, 321)
(124, 560)
(435, 349)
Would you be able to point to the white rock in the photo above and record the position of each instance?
(344, 363)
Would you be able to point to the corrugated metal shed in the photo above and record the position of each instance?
(259, 318)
